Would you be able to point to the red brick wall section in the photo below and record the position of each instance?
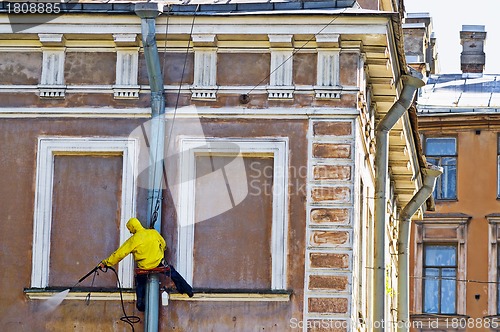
(328, 305)
(332, 172)
(328, 150)
(336, 283)
(329, 238)
(329, 260)
(324, 128)
(338, 194)
(333, 215)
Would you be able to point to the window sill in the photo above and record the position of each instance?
(81, 294)
(445, 200)
(129, 295)
(234, 295)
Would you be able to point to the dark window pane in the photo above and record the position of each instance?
(441, 147)
(448, 291)
(440, 256)
(431, 290)
(449, 178)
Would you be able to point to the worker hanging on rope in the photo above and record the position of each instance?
(148, 248)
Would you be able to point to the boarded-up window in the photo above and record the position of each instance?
(85, 217)
(84, 195)
(233, 249)
(232, 215)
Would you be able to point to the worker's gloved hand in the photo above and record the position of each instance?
(102, 266)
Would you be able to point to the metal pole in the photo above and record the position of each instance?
(152, 303)
(148, 12)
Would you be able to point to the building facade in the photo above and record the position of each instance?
(269, 203)
(455, 272)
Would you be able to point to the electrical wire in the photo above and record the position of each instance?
(455, 279)
(298, 49)
(181, 80)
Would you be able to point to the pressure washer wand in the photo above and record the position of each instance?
(88, 274)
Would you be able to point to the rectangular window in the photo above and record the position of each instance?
(440, 274)
(85, 189)
(233, 206)
(219, 225)
(442, 151)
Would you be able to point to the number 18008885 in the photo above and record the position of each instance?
(33, 7)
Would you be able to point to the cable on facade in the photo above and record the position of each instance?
(181, 80)
(297, 50)
(458, 280)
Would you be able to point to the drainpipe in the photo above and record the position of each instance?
(410, 86)
(148, 13)
(430, 176)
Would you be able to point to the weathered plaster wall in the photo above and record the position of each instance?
(477, 197)
(17, 164)
(20, 67)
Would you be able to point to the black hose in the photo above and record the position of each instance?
(131, 320)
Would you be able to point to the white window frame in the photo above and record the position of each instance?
(493, 241)
(278, 148)
(48, 148)
(451, 222)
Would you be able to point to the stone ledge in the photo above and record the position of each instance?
(129, 295)
(99, 295)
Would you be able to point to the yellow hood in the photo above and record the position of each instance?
(134, 225)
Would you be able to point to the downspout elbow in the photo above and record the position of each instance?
(430, 177)
(148, 12)
(410, 86)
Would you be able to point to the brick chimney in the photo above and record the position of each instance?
(420, 43)
(472, 58)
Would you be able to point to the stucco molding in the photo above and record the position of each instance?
(281, 75)
(205, 74)
(127, 69)
(328, 74)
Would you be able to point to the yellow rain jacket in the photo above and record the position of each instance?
(147, 246)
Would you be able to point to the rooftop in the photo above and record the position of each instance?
(202, 6)
(460, 93)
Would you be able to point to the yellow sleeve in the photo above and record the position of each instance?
(122, 252)
(163, 244)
